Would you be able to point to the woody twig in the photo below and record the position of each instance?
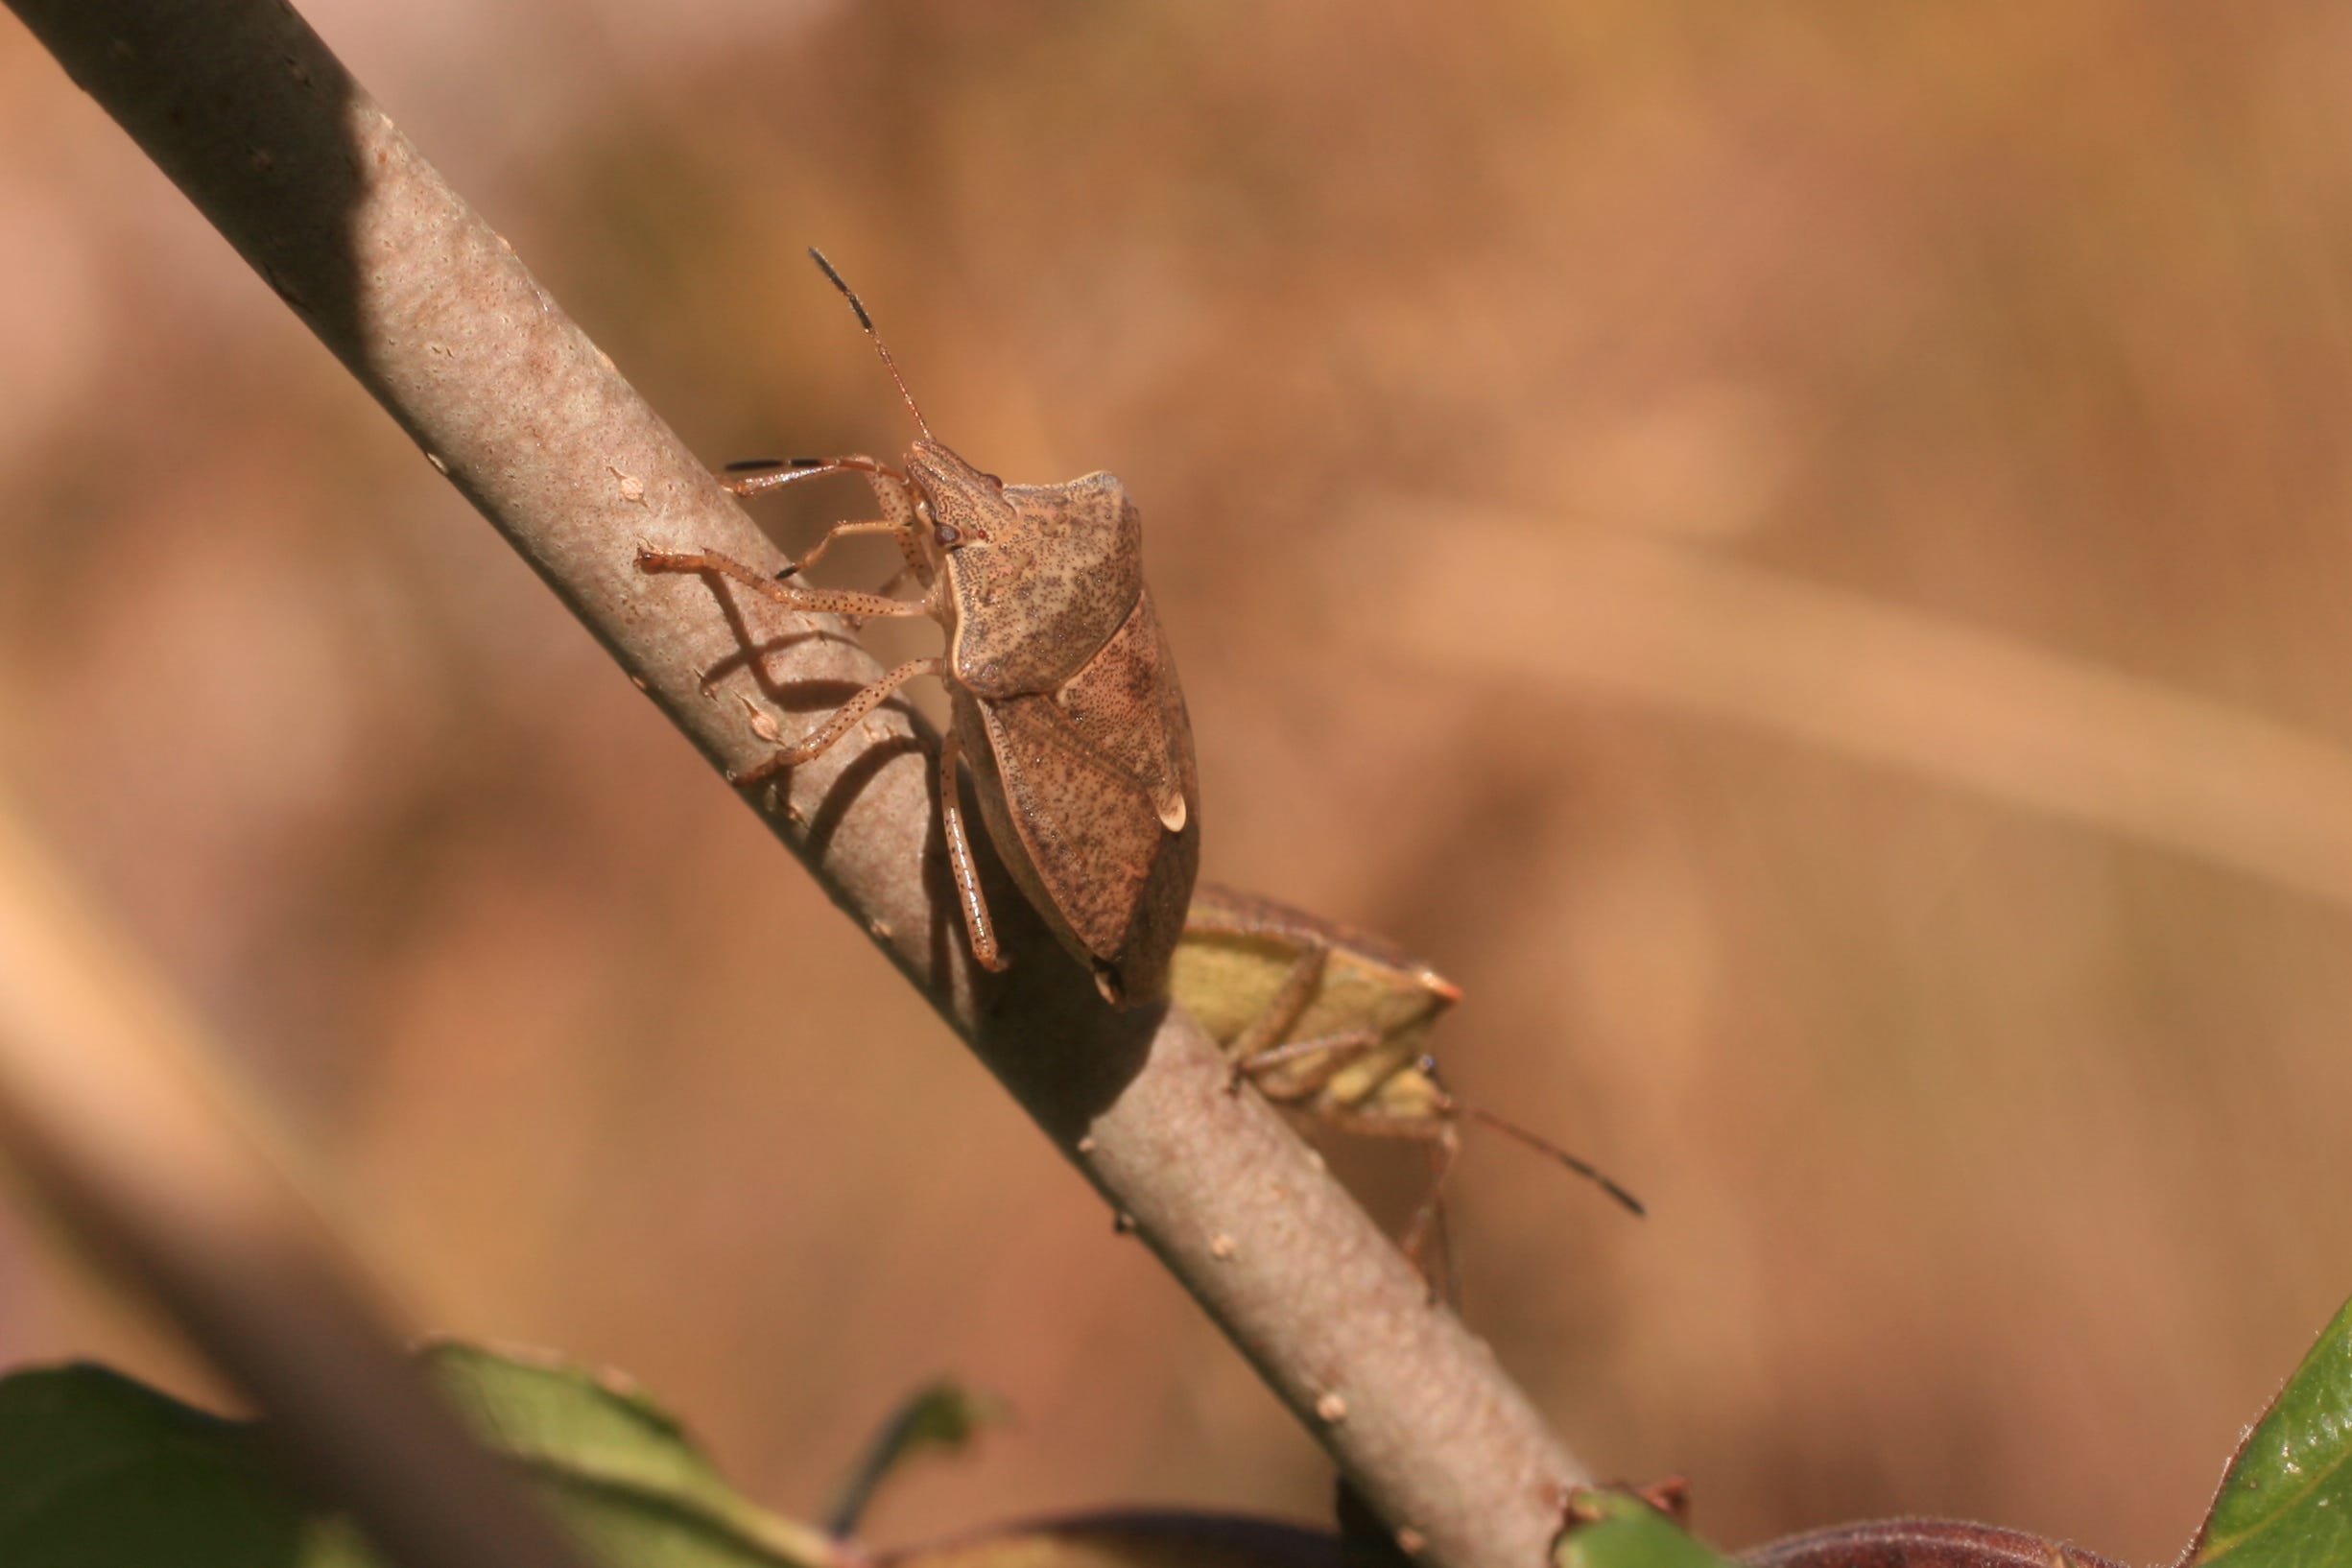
(247, 113)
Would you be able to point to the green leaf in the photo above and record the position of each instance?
(2287, 1500)
(943, 1416)
(1612, 1529)
(97, 1471)
(621, 1471)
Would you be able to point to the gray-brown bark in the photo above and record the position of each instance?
(247, 113)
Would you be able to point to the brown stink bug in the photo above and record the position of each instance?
(1063, 695)
(1333, 1023)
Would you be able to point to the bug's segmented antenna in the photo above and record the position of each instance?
(745, 466)
(868, 322)
(1545, 1145)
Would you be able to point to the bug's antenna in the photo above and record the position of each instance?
(868, 322)
(1545, 1145)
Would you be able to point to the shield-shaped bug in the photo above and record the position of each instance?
(1062, 691)
(1333, 1024)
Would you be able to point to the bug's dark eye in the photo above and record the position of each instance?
(947, 534)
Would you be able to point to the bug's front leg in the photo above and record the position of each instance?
(897, 519)
(759, 475)
(816, 553)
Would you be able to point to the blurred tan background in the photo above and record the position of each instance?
(1796, 551)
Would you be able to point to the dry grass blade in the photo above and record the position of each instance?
(109, 1109)
(1972, 709)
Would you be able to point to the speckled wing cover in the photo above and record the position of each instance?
(1103, 791)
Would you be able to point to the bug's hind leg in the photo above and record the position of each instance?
(977, 923)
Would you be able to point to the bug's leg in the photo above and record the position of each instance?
(760, 475)
(1428, 1221)
(1267, 1032)
(1437, 1134)
(832, 601)
(898, 520)
(916, 567)
(1336, 1052)
(889, 487)
(1252, 1048)
(895, 495)
(816, 553)
(822, 739)
(977, 925)
(894, 580)
(899, 513)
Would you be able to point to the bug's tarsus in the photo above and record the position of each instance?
(1545, 1145)
(868, 322)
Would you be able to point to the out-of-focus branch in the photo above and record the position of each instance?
(107, 1111)
(247, 111)
(1963, 705)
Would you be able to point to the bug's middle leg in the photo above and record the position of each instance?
(1330, 1054)
(821, 600)
(823, 738)
(1260, 1046)
(1429, 1223)
(1440, 1139)
(816, 552)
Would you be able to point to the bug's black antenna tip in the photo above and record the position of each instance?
(852, 294)
(868, 322)
(1575, 1162)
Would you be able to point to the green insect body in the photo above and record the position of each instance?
(1353, 1045)
(1333, 1024)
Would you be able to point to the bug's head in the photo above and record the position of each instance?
(958, 504)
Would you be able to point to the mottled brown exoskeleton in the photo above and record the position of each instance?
(1332, 1023)
(1064, 694)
